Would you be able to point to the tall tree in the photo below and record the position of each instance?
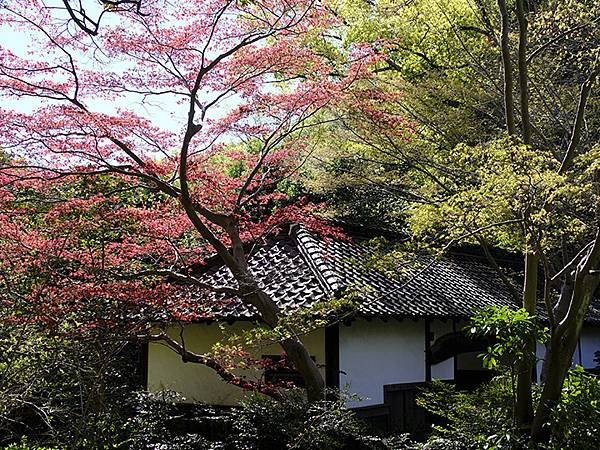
(526, 68)
(135, 151)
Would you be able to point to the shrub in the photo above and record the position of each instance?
(62, 392)
(575, 421)
(481, 419)
(293, 423)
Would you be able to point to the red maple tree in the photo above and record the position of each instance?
(135, 149)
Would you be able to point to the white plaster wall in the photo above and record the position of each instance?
(540, 354)
(445, 369)
(199, 383)
(578, 356)
(590, 343)
(376, 353)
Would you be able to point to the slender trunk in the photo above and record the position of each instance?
(584, 94)
(524, 405)
(523, 76)
(509, 105)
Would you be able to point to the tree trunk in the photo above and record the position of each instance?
(524, 404)
(558, 360)
(294, 349)
(509, 105)
(564, 338)
(252, 294)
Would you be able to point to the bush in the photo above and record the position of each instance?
(266, 424)
(160, 422)
(62, 392)
(575, 421)
(24, 445)
(482, 419)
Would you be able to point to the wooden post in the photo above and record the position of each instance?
(427, 350)
(332, 356)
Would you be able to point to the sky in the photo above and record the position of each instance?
(164, 111)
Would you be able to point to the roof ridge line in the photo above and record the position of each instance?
(308, 247)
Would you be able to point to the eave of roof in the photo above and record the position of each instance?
(299, 268)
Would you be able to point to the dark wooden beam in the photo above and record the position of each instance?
(332, 356)
(427, 350)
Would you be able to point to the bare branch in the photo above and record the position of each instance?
(584, 94)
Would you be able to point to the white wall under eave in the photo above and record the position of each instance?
(540, 354)
(376, 353)
(198, 383)
(590, 344)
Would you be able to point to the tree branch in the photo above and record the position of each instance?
(584, 94)
(223, 372)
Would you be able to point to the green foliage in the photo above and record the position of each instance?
(158, 421)
(499, 188)
(451, 172)
(62, 392)
(482, 419)
(575, 420)
(511, 330)
(24, 445)
(422, 34)
(293, 423)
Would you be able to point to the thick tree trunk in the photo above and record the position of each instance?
(563, 341)
(297, 352)
(558, 360)
(249, 290)
(524, 404)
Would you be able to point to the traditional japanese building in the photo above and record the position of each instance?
(407, 329)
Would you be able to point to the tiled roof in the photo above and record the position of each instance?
(284, 274)
(300, 268)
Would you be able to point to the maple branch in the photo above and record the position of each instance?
(186, 279)
(268, 146)
(82, 19)
(192, 129)
(62, 95)
(222, 371)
